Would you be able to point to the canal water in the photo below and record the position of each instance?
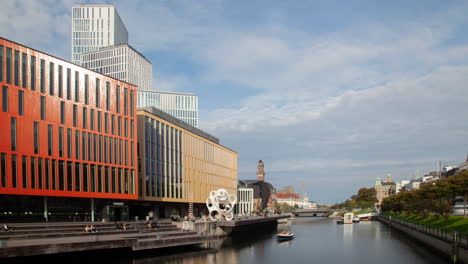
(317, 240)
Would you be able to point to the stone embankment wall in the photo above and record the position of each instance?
(442, 246)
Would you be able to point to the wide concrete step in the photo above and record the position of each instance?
(152, 243)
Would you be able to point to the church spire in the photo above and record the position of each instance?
(260, 171)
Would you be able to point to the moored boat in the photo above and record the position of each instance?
(283, 236)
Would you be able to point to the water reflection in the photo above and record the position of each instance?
(317, 240)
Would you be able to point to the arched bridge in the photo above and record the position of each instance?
(322, 210)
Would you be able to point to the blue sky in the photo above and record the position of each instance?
(330, 94)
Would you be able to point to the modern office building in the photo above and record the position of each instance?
(68, 148)
(121, 62)
(179, 105)
(95, 27)
(245, 201)
(179, 163)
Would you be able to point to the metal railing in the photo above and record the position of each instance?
(461, 239)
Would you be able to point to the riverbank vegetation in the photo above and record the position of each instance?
(432, 199)
(449, 223)
(364, 199)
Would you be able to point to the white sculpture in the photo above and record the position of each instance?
(221, 205)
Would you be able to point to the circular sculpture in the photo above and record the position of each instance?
(221, 204)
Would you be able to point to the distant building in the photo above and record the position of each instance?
(287, 189)
(95, 27)
(384, 189)
(122, 62)
(245, 200)
(260, 171)
(179, 105)
(400, 185)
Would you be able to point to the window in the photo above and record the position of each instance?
(69, 143)
(60, 81)
(75, 115)
(77, 144)
(47, 174)
(68, 84)
(16, 68)
(131, 104)
(77, 176)
(62, 112)
(77, 86)
(98, 92)
(131, 128)
(39, 173)
(119, 125)
(36, 137)
(83, 144)
(54, 174)
(99, 121)
(51, 78)
(42, 76)
(113, 125)
(117, 98)
(5, 99)
(13, 133)
(91, 119)
(85, 114)
(8, 66)
(60, 141)
(70, 176)
(86, 83)
(20, 102)
(14, 171)
(125, 101)
(106, 122)
(43, 108)
(33, 172)
(1, 63)
(3, 169)
(33, 73)
(50, 139)
(107, 96)
(24, 71)
(61, 173)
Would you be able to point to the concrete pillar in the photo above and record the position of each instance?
(46, 211)
(92, 210)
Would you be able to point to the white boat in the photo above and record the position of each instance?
(348, 218)
(283, 236)
(356, 219)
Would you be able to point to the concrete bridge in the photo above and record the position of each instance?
(320, 210)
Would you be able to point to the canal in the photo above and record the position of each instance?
(318, 240)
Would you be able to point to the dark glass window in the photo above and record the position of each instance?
(68, 84)
(83, 145)
(60, 130)
(8, 65)
(16, 68)
(107, 96)
(33, 172)
(95, 148)
(60, 81)
(90, 138)
(125, 127)
(106, 179)
(70, 176)
(99, 121)
(131, 128)
(5, 99)
(3, 169)
(85, 115)
(14, 171)
(1, 63)
(125, 101)
(24, 71)
(93, 178)
(62, 112)
(106, 122)
(75, 115)
(36, 137)
(51, 78)
(98, 92)
(99, 176)
(77, 177)
(61, 173)
(13, 133)
(77, 144)
(50, 135)
(77, 86)
(43, 108)
(86, 89)
(131, 103)
(42, 76)
(39, 173)
(20, 102)
(54, 174)
(117, 98)
(69, 143)
(91, 119)
(47, 173)
(113, 125)
(119, 126)
(33, 73)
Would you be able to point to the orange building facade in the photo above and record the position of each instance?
(65, 131)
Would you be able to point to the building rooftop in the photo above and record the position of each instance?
(155, 111)
(117, 46)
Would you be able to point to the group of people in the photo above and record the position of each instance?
(120, 226)
(90, 229)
